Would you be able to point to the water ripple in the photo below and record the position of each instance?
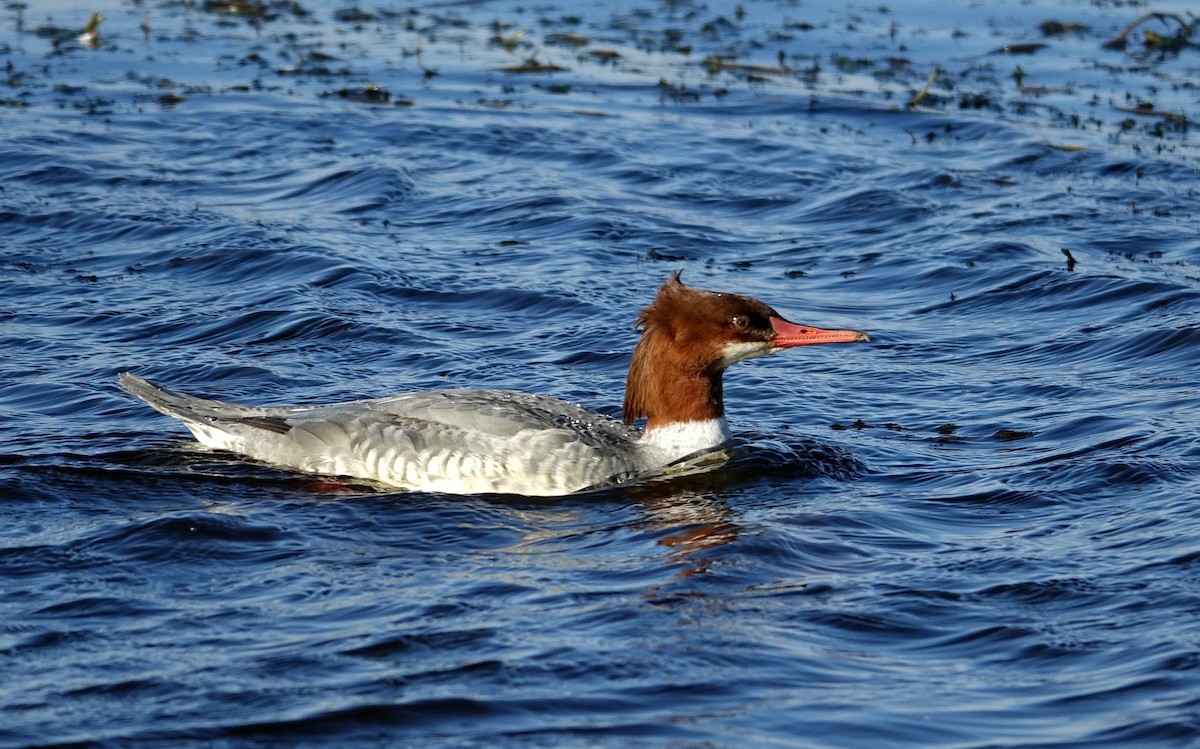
(976, 531)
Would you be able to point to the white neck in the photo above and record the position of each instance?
(680, 439)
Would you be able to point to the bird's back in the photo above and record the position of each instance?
(455, 441)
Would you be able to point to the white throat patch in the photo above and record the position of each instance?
(732, 353)
(683, 438)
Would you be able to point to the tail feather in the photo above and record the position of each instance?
(192, 410)
(172, 403)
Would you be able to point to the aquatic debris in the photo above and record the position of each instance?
(235, 7)
(310, 62)
(1019, 49)
(1059, 28)
(94, 106)
(53, 32)
(676, 93)
(890, 426)
(979, 101)
(353, 15)
(605, 55)
(948, 434)
(370, 94)
(1012, 435)
(1146, 109)
(1180, 39)
(567, 40)
(316, 55)
(90, 36)
(917, 97)
(1018, 76)
(256, 10)
(170, 100)
(532, 66)
(1042, 90)
(673, 42)
(657, 254)
(1166, 44)
(848, 64)
(313, 70)
(716, 64)
(510, 42)
(1070, 259)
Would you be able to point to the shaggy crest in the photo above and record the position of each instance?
(678, 330)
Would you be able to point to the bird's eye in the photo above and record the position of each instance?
(741, 322)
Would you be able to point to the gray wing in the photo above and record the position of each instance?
(459, 441)
(504, 413)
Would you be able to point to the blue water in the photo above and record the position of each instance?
(979, 530)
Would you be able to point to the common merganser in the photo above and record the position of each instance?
(500, 441)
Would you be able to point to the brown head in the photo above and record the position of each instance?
(690, 336)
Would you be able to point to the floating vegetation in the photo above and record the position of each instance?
(1147, 109)
(848, 64)
(567, 40)
(1012, 435)
(353, 15)
(235, 7)
(90, 36)
(54, 32)
(532, 66)
(716, 64)
(667, 46)
(920, 95)
(859, 424)
(255, 10)
(677, 93)
(367, 94)
(370, 94)
(979, 100)
(310, 63)
(510, 42)
(1166, 44)
(1019, 49)
(947, 434)
(1061, 28)
(605, 55)
(318, 56)
(656, 254)
(1154, 41)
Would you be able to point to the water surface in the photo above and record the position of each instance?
(979, 530)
